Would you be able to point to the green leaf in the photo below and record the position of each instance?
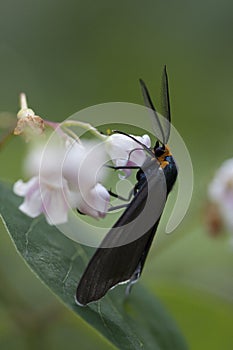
(138, 322)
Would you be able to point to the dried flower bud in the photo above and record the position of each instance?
(28, 123)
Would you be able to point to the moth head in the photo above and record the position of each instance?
(161, 151)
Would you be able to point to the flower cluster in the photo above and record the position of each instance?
(220, 207)
(220, 193)
(61, 179)
(67, 173)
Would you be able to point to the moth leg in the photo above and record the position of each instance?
(131, 193)
(120, 197)
(134, 278)
(118, 207)
(80, 212)
(122, 167)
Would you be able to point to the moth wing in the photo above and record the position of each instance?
(126, 245)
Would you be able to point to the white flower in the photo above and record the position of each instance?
(45, 197)
(65, 175)
(95, 203)
(83, 168)
(45, 160)
(83, 164)
(124, 151)
(220, 191)
(47, 191)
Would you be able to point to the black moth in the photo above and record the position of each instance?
(121, 255)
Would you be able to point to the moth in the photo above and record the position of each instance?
(121, 256)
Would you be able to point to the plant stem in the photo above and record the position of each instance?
(85, 126)
(23, 101)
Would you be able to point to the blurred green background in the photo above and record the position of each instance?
(67, 55)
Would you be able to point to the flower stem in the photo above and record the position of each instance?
(57, 127)
(53, 125)
(72, 134)
(85, 126)
(23, 101)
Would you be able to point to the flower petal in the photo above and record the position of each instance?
(21, 188)
(32, 205)
(95, 203)
(126, 152)
(83, 165)
(55, 206)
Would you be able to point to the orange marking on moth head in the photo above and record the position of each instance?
(161, 159)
